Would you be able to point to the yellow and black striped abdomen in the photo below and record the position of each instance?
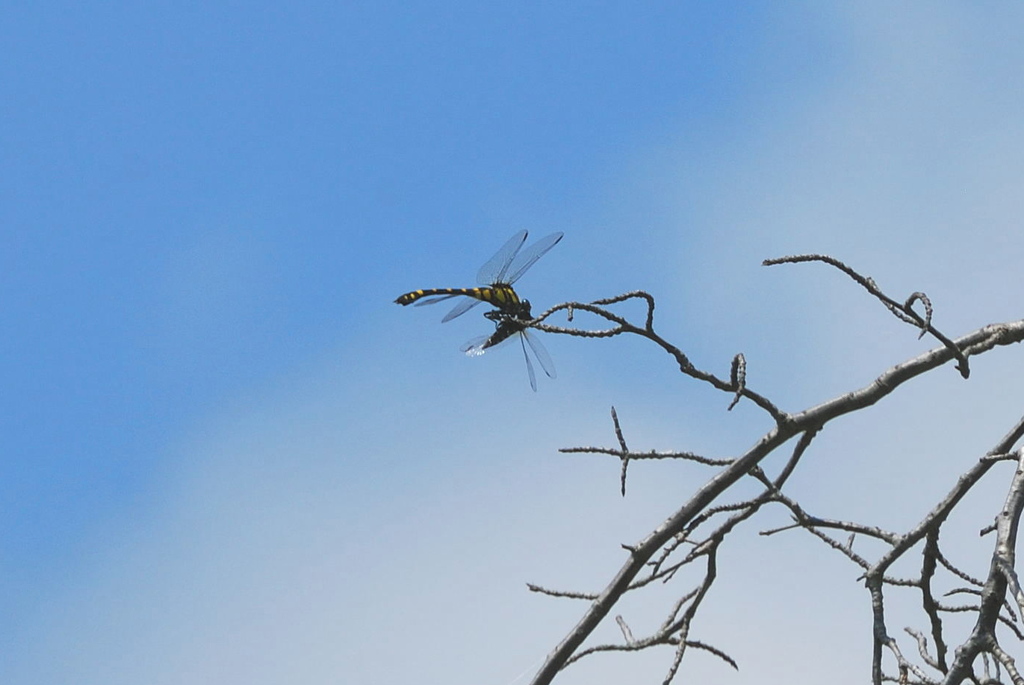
(500, 295)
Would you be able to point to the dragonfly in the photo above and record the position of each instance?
(507, 325)
(510, 312)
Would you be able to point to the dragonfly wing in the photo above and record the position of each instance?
(461, 308)
(478, 346)
(529, 364)
(494, 270)
(475, 347)
(531, 255)
(541, 353)
(432, 300)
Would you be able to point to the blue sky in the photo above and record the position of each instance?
(229, 457)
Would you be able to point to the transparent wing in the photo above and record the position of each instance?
(529, 364)
(527, 258)
(494, 270)
(475, 347)
(541, 353)
(480, 345)
(432, 300)
(461, 308)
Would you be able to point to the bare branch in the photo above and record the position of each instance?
(928, 603)
(922, 650)
(904, 311)
(647, 331)
(1008, 663)
(561, 593)
(738, 377)
(1012, 582)
(983, 638)
(688, 456)
(627, 635)
(656, 557)
(955, 571)
(625, 450)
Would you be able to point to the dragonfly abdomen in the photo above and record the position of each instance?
(499, 295)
